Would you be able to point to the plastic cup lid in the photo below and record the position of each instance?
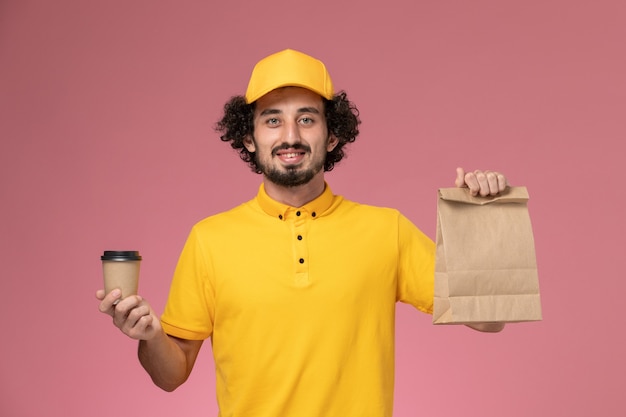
(121, 255)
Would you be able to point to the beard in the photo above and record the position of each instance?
(290, 176)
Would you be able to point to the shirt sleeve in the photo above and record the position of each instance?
(190, 307)
(416, 266)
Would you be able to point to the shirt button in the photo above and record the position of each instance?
(301, 260)
(313, 214)
(280, 216)
(297, 213)
(299, 237)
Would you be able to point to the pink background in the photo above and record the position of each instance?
(106, 117)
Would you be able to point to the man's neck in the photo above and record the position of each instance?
(296, 196)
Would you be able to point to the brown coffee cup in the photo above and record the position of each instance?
(121, 270)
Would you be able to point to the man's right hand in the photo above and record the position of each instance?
(132, 315)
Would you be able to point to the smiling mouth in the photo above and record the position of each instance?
(289, 155)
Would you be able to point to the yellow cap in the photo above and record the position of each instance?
(289, 68)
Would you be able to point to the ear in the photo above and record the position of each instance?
(332, 142)
(248, 142)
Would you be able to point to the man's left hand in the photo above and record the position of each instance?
(483, 183)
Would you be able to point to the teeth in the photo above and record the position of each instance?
(290, 155)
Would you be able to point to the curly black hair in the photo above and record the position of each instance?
(342, 120)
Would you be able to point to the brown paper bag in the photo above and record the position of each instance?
(485, 267)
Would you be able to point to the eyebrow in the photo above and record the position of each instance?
(300, 110)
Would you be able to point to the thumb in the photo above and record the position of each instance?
(460, 178)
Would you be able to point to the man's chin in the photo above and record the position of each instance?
(290, 177)
(291, 166)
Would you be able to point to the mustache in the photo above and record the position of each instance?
(295, 146)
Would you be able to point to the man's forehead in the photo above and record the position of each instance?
(290, 97)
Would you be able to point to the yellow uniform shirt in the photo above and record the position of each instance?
(300, 304)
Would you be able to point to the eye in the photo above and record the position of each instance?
(272, 121)
(306, 120)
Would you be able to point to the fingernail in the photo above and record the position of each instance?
(116, 292)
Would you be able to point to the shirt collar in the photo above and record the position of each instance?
(315, 208)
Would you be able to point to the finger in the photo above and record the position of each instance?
(472, 183)
(497, 183)
(492, 180)
(460, 177)
(502, 182)
(142, 327)
(100, 294)
(108, 302)
(123, 308)
(129, 302)
(135, 315)
(483, 183)
(139, 321)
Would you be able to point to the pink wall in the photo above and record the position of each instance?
(106, 115)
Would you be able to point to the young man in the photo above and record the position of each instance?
(297, 287)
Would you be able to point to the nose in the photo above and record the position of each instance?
(292, 132)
